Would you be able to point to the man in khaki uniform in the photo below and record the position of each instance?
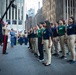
(5, 38)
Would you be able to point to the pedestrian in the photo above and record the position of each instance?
(47, 41)
(5, 38)
(15, 38)
(36, 41)
(40, 44)
(12, 33)
(29, 38)
(1, 35)
(71, 32)
(25, 39)
(61, 33)
(33, 40)
(55, 39)
(53, 48)
(20, 39)
(8, 39)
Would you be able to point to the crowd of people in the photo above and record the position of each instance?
(12, 37)
(48, 37)
(18, 38)
(57, 39)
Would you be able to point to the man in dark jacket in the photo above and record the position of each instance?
(1, 35)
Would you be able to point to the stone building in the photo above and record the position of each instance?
(53, 10)
(30, 19)
(57, 9)
(38, 17)
(49, 10)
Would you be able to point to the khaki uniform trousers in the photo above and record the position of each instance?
(55, 43)
(71, 45)
(48, 51)
(36, 45)
(62, 44)
(33, 44)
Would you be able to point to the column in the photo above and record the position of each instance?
(64, 9)
(75, 9)
(14, 11)
(70, 7)
(20, 10)
(4, 9)
(17, 17)
(52, 10)
(8, 10)
(11, 17)
(67, 10)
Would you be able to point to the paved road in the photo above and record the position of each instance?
(20, 61)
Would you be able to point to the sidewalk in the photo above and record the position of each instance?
(20, 61)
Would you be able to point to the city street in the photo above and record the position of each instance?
(44, 24)
(20, 61)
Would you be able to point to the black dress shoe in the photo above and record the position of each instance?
(72, 62)
(5, 53)
(55, 54)
(60, 51)
(69, 60)
(28, 47)
(63, 57)
(43, 63)
(47, 64)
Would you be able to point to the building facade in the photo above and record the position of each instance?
(38, 17)
(29, 19)
(2, 8)
(15, 16)
(59, 9)
(49, 10)
(31, 12)
(71, 7)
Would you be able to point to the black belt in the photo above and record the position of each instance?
(46, 39)
(61, 35)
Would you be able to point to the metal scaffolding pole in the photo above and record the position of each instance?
(64, 9)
